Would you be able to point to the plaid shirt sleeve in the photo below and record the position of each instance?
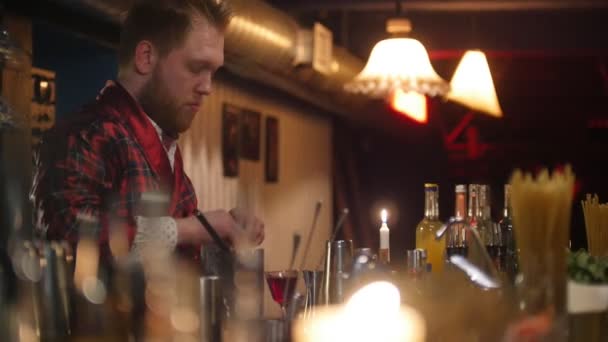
(74, 177)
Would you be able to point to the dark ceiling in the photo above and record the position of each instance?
(549, 58)
(556, 25)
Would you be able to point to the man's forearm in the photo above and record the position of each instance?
(189, 231)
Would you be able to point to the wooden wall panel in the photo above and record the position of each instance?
(305, 174)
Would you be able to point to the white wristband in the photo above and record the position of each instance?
(154, 233)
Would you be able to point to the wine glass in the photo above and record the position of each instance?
(282, 285)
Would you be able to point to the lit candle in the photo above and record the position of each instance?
(384, 231)
(384, 251)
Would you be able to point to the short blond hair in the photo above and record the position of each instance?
(165, 23)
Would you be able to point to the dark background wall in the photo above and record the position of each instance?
(82, 65)
(555, 107)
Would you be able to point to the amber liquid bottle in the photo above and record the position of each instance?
(428, 226)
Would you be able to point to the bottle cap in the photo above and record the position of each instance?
(431, 187)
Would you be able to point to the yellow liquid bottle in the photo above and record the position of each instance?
(426, 229)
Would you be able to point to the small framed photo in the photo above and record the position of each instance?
(250, 135)
(272, 150)
(230, 140)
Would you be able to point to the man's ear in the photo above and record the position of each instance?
(146, 57)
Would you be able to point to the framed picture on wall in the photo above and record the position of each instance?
(230, 140)
(250, 135)
(272, 150)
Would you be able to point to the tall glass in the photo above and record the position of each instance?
(282, 285)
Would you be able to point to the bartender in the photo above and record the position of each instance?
(120, 153)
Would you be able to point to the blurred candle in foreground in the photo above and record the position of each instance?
(384, 250)
(374, 313)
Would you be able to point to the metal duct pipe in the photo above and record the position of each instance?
(262, 34)
(261, 45)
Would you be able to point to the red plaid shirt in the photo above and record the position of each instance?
(101, 164)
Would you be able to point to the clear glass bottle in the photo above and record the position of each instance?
(487, 228)
(428, 226)
(473, 204)
(509, 261)
(456, 243)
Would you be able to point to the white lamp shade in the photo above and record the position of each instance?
(398, 63)
(472, 84)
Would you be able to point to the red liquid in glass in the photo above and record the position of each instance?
(281, 287)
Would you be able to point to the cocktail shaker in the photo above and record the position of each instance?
(52, 293)
(338, 263)
(219, 263)
(212, 309)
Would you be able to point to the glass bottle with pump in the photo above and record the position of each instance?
(426, 229)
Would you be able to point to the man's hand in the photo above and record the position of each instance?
(251, 225)
(234, 227)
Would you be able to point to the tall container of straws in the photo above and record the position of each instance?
(542, 207)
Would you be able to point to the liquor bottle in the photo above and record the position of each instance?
(456, 237)
(475, 221)
(428, 226)
(509, 260)
(471, 218)
(488, 229)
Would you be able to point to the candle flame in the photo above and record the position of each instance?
(384, 215)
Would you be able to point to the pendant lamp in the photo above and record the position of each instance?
(399, 62)
(472, 84)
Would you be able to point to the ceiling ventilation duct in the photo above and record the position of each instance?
(261, 44)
